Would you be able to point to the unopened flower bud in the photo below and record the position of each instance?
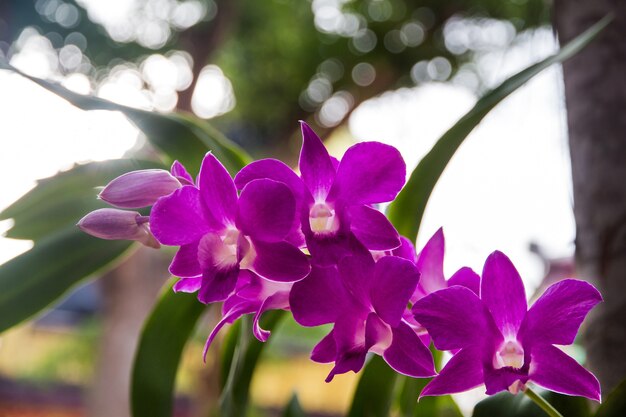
(139, 188)
(114, 224)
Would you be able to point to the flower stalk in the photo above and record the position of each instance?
(541, 402)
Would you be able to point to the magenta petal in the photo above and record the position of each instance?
(280, 261)
(372, 228)
(319, 298)
(352, 360)
(179, 171)
(357, 275)
(406, 250)
(369, 173)
(407, 355)
(189, 285)
(556, 316)
(498, 380)
(276, 301)
(463, 372)
(394, 282)
(179, 218)
(377, 334)
(272, 169)
(316, 166)
(430, 265)
(266, 210)
(502, 291)
(326, 350)
(185, 262)
(455, 318)
(217, 190)
(237, 311)
(218, 284)
(554, 370)
(467, 278)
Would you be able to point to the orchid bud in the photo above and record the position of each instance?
(114, 224)
(139, 188)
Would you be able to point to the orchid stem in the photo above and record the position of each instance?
(541, 402)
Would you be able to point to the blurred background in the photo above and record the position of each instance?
(396, 71)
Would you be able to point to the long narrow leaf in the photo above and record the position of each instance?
(159, 352)
(374, 393)
(32, 281)
(407, 210)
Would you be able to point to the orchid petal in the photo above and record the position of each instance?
(326, 350)
(467, 278)
(369, 173)
(276, 301)
(217, 190)
(179, 171)
(552, 369)
(280, 261)
(498, 380)
(357, 274)
(316, 166)
(455, 318)
(394, 282)
(185, 262)
(318, 298)
(179, 218)
(373, 229)
(230, 317)
(430, 264)
(266, 210)
(557, 315)
(407, 355)
(406, 250)
(218, 284)
(377, 334)
(464, 371)
(272, 169)
(189, 285)
(502, 291)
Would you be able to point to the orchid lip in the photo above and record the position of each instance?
(323, 219)
(510, 354)
(234, 246)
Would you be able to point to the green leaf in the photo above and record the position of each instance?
(615, 403)
(158, 355)
(407, 210)
(65, 198)
(294, 409)
(180, 136)
(443, 406)
(506, 404)
(234, 399)
(374, 392)
(32, 281)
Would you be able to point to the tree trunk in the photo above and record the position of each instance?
(595, 90)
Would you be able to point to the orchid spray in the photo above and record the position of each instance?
(318, 245)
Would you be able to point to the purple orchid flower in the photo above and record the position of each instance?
(430, 264)
(335, 199)
(220, 234)
(500, 342)
(366, 302)
(253, 295)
